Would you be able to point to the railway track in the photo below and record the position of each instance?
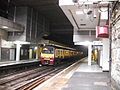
(30, 79)
(9, 70)
(37, 81)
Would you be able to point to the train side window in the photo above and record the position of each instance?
(56, 52)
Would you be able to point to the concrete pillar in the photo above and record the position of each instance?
(89, 54)
(36, 52)
(30, 54)
(101, 58)
(105, 59)
(18, 52)
(0, 53)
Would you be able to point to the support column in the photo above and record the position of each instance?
(36, 52)
(0, 47)
(30, 54)
(89, 54)
(18, 52)
(105, 61)
(0, 53)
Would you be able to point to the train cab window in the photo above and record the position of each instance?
(48, 50)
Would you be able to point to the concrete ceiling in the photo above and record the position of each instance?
(59, 23)
(61, 20)
(49, 8)
(85, 16)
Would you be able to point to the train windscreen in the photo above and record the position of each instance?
(48, 50)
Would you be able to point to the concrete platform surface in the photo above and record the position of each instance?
(80, 77)
(88, 81)
(8, 63)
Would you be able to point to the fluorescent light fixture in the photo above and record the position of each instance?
(88, 0)
(79, 12)
(104, 2)
(94, 0)
(116, 10)
(65, 2)
(21, 42)
(85, 43)
(109, 0)
(5, 27)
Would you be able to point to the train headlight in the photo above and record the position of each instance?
(51, 59)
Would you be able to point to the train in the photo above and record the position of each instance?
(52, 55)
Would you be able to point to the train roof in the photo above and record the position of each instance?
(59, 46)
(55, 44)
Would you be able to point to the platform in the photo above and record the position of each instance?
(78, 77)
(9, 63)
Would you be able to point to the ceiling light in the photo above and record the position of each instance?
(84, 43)
(94, 15)
(4, 27)
(104, 2)
(89, 0)
(79, 12)
(116, 10)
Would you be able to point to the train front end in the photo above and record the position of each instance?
(47, 55)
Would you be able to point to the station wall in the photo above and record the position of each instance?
(36, 25)
(3, 34)
(7, 48)
(116, 48)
